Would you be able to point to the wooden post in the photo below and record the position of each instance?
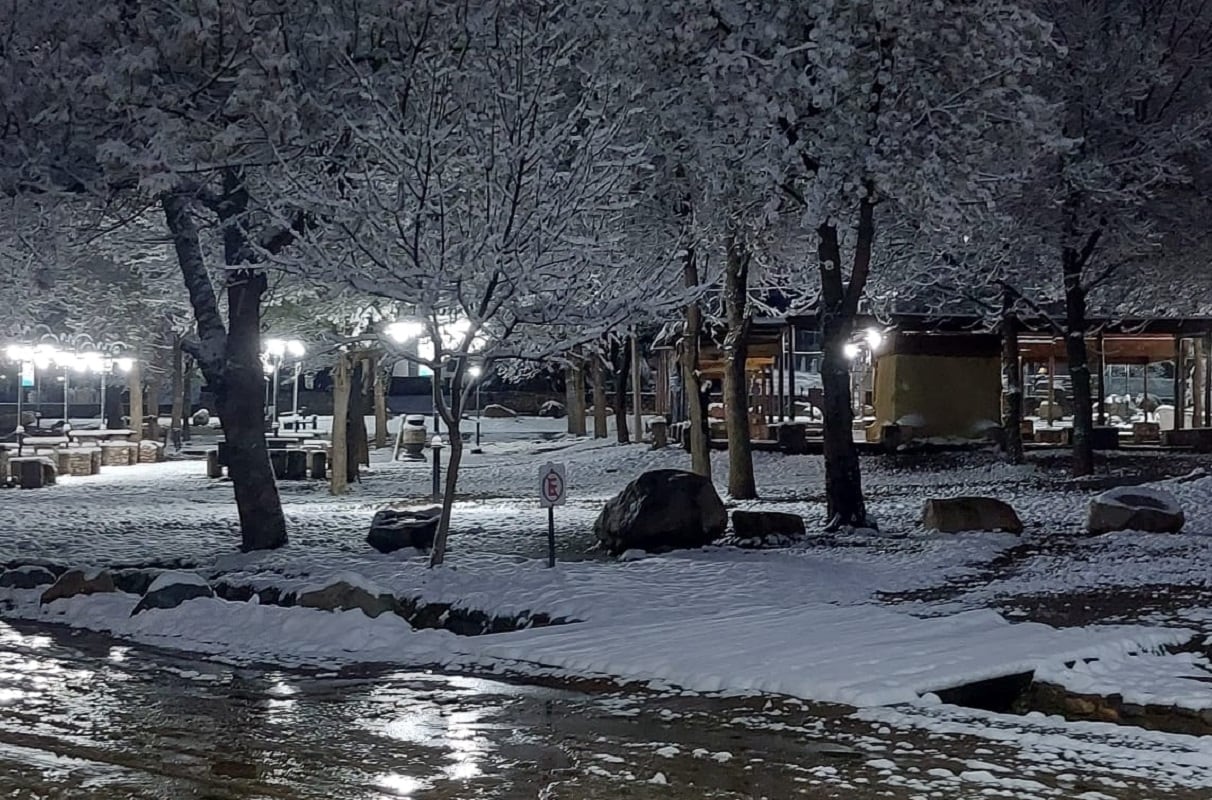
(637, 395)
(1200, 379)
(1145, 389)
(791, 371)
(135, 382)
(179, 410)
(1180, 383)
(380, 378)
(1101, 360)
(338, 480)
(1051, 384)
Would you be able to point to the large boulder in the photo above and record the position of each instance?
(553, 409)
(201, 418)
(347, 593)
(1135, 508)
(496, 411)
(767, 525)
(171, 589)
(76, 582)
(956, 514)
(393, 529)
(664, 509)
(27, 577)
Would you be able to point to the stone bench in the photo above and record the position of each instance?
(32, 472)
(78, 461)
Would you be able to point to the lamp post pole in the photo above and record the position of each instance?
(294, 412)
(66, 379)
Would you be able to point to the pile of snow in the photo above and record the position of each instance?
(1167, 679)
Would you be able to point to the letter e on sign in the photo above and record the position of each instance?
(553, 489)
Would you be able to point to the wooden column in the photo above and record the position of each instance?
(338, 479)
(1101, 361)
(1180, 383)
(1197, 385)
(1208, 380)
(1051, 386)
(781, 360)
(135, 383)
(791, 369)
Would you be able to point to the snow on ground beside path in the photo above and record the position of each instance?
(861, 655)
(1111, 753)
(1169, 679)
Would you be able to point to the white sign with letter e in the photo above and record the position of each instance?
(553, 488)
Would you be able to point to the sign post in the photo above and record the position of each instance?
(553, 491)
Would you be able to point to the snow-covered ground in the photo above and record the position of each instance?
(862, 619)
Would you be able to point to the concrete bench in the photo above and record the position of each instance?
(32, 472)
(1197, 439)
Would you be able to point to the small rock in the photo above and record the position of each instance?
(1135, 508)
(171, 589)
(763, 524)
(201, 418)
(76, 581)
(344, 596)
(496, 411)
(956, 514)
(394, 529)
(553, 409)
(30, 577)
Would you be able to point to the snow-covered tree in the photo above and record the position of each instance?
(483, 189)
(1132, 84)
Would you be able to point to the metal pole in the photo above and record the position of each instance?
(103, 368)
(479, 414)
(66, 377)
(277, 363)
(20, 392)
(437, 472)
(550, 536)
(437, 390)
(295, 410)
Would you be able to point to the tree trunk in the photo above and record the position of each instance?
(178, 387)
(155, 385)
(357, 451)
(231, 361)
(621, 361)
(113, 405)
(845, 506)
(339, 475)
(843, 479)
(187, 393)
(135, 382)
(700, 452)
(1012, 381)
(574, 394)
(741, 482)
(381, 378)
(599, 398)
(452, 416)
(1079, 366)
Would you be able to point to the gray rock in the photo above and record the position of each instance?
(553, 409)
(76, 582)
(664, 509)
(343, 596)
(168, 592)
(394, 529)
(134, 581)
(201, 418)
(1135, 508)
(767, 524)
(956, 514)
(30, 577)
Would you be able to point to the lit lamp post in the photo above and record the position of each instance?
(23, 356)
(273, 353)
(402, 333)
(872, 341)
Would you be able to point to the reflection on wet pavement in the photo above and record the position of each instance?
(83, 716)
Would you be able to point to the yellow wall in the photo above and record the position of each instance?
(956, 396)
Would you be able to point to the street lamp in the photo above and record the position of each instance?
(273, 352)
